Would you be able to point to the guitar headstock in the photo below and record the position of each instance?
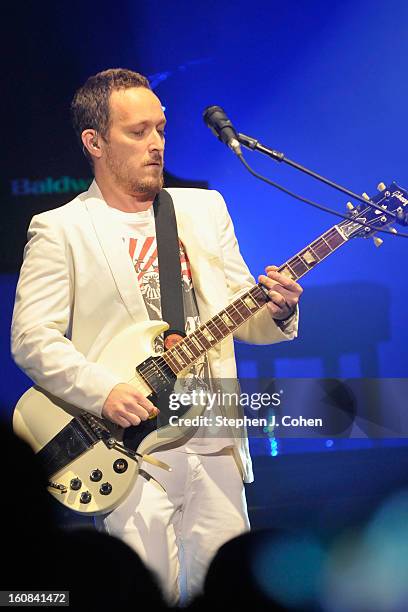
(392, 199)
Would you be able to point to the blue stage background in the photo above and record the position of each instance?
(324, 82)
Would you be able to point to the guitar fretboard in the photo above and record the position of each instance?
(186, 352)
(313, 254)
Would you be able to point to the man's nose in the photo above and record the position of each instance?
(156, 141)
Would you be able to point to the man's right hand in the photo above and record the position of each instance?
(126, 406)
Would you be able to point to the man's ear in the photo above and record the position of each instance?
(90, 142)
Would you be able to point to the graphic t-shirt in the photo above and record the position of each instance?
(139, 237)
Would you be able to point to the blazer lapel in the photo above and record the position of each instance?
(107, 229)
(207, 275)
(208, 280)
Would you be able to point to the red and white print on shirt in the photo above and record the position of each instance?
(143, 253)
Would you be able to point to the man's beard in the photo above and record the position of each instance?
(123, 177)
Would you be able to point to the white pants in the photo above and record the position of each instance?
(177, 532)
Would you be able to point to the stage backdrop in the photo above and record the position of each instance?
(325, 83)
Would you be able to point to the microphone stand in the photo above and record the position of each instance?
(255, 145)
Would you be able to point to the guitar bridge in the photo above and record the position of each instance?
(97, 428)
(55, 485)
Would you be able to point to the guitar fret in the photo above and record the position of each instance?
(335, 239)
(287, 271)
(202, 339)
(179, 358)
(192, 346)
(309, 258)
(168, 357)
(214, 329)
(310, 248)
(321, 248)
(222, 325)
(228, 321)
(298, 266)
(259, 296)
(207, 334)
(241, 308)
(196, 341)
(325, 241)
(181, 347)
(234, 314)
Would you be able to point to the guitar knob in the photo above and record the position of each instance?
(96, 475)
(378, 241)
(85, 497)
(75, 484)
(120, 466)
(105, 488)
(381, 186)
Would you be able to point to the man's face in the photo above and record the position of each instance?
(134, 146)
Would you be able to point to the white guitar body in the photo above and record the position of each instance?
(38, 417)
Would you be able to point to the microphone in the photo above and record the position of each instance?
(218, 122)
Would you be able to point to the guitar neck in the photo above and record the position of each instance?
(314, 253)
(195, 345)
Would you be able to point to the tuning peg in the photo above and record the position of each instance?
(381, 186)
(365, 196)
(377, 241)
(350, 206)
(393, 230)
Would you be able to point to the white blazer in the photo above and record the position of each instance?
(77, 290)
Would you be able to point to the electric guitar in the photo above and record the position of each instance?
(92, 463)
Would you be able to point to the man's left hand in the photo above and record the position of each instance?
(283, 291)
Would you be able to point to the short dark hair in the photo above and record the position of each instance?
(90, 105)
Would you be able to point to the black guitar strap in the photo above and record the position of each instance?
(168, 252)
